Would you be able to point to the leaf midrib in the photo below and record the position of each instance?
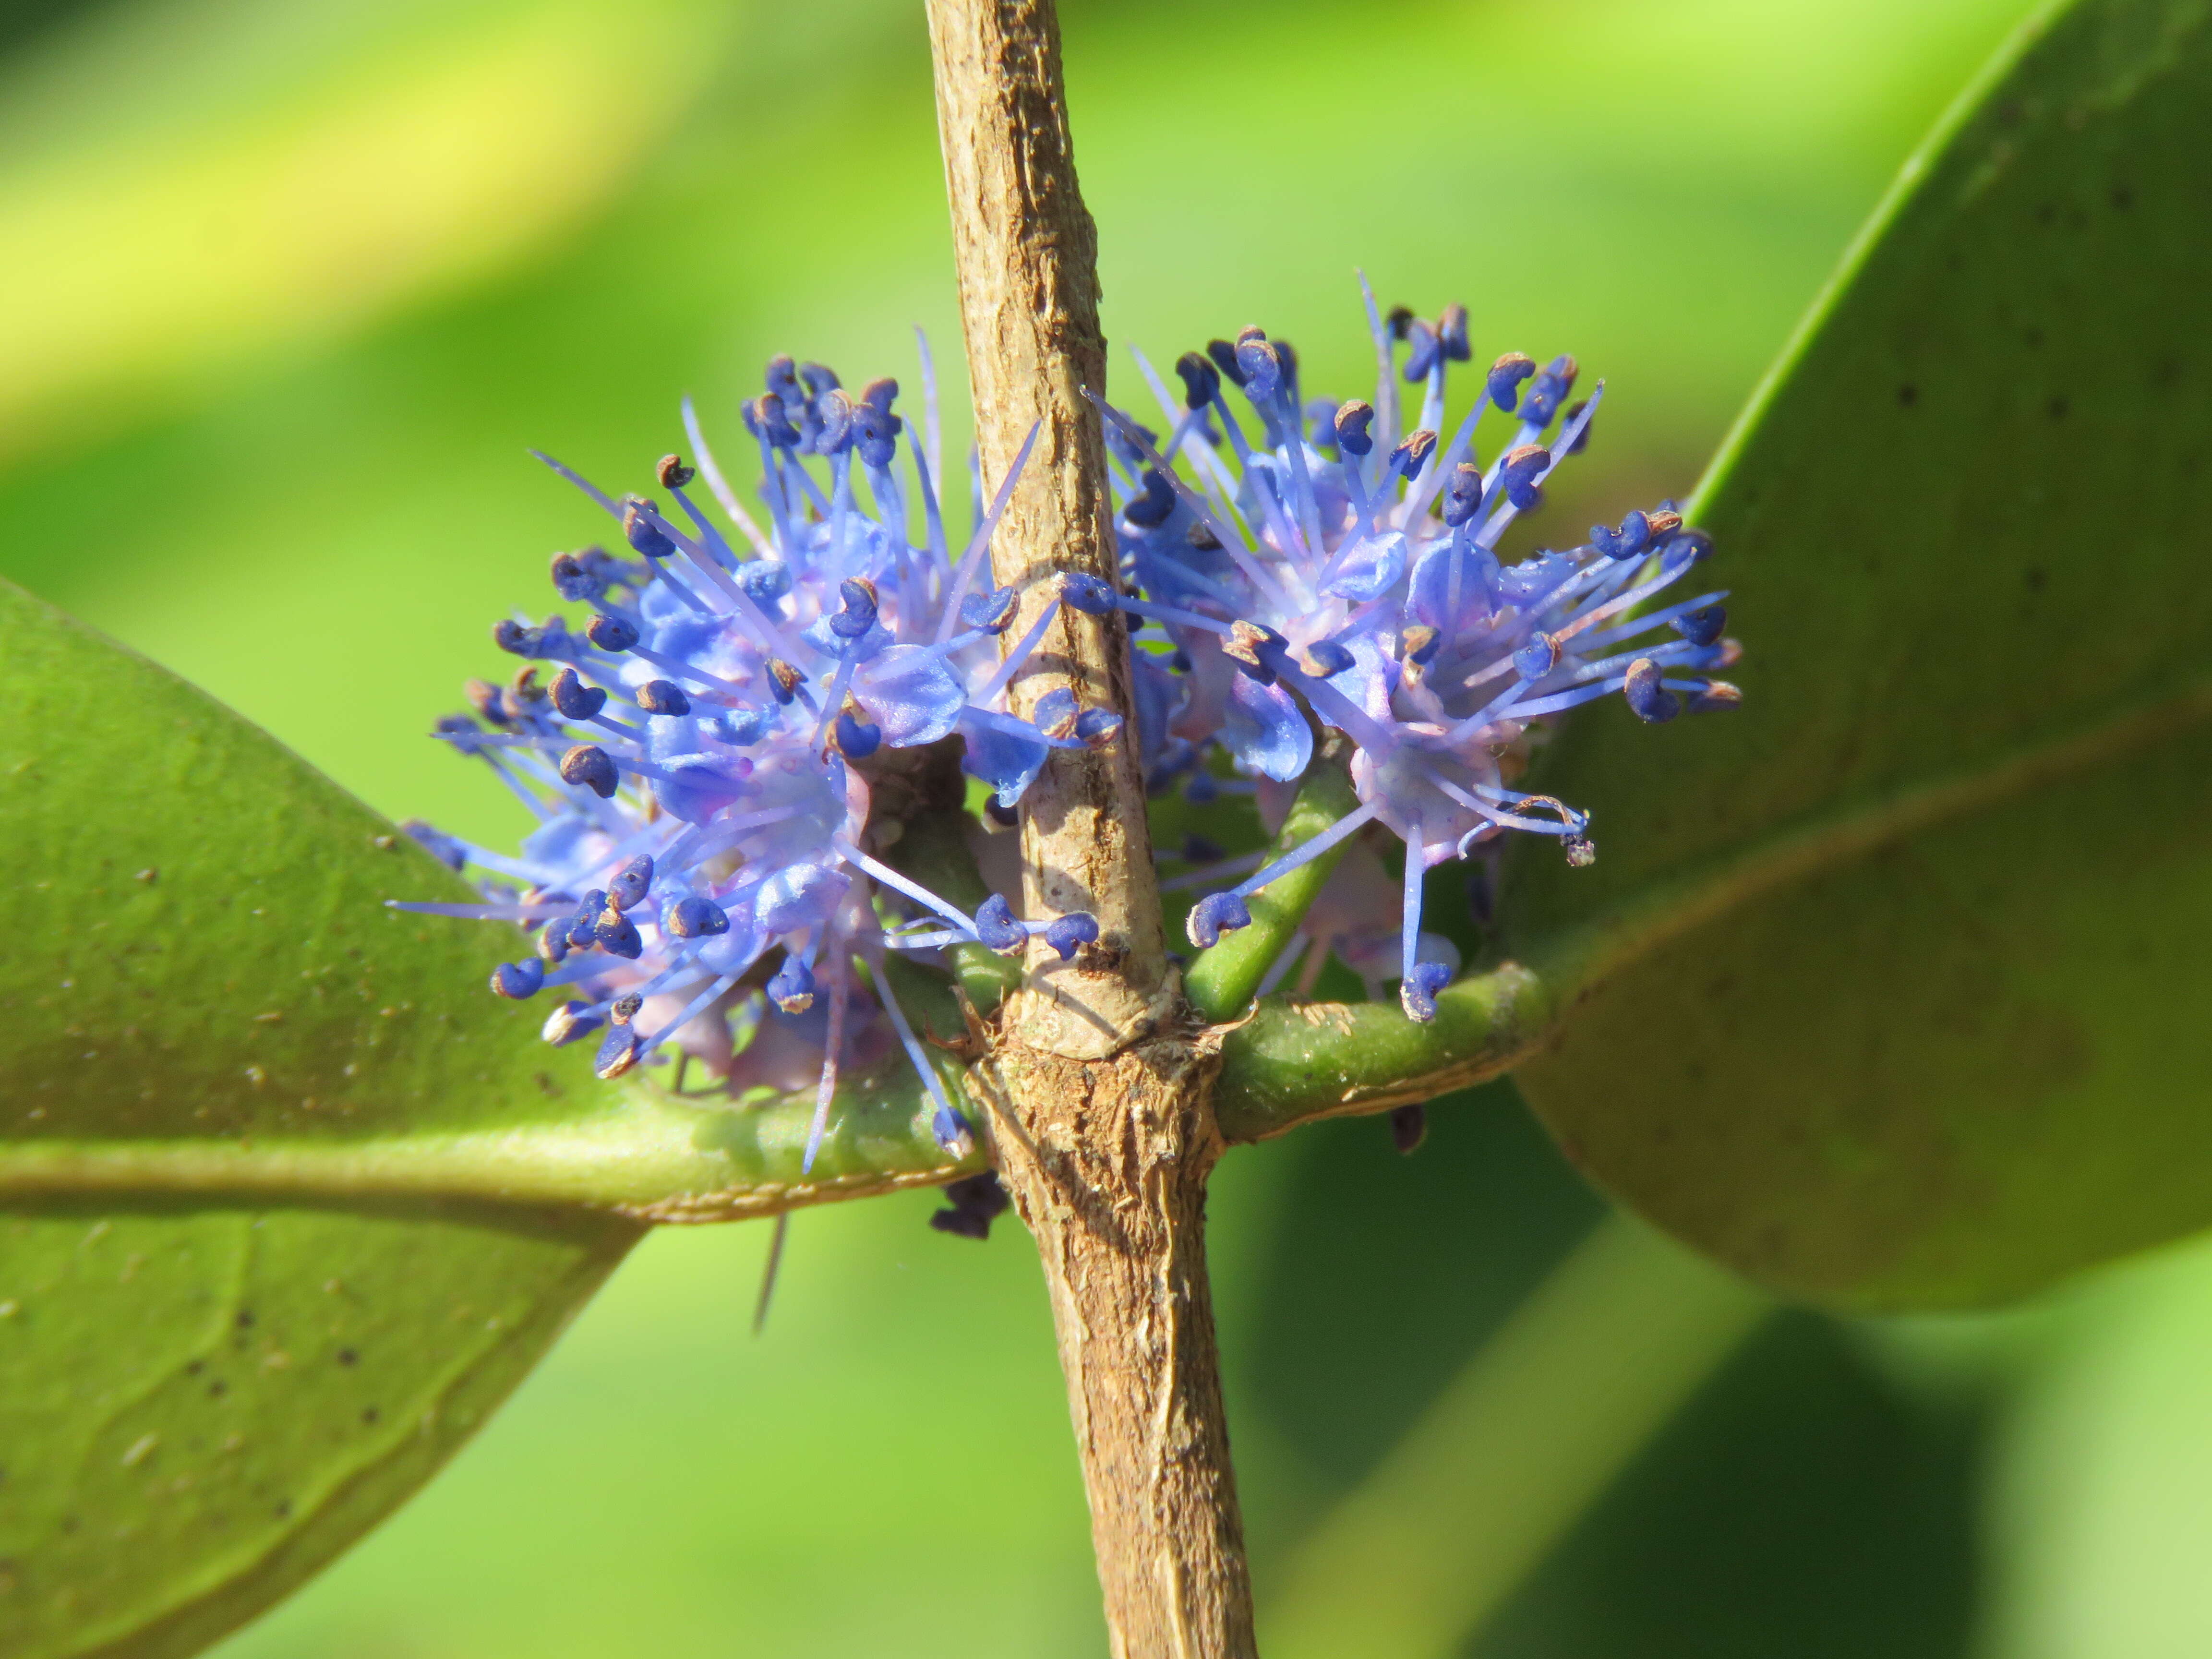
(1580, 959)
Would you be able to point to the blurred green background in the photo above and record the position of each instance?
(289, 287)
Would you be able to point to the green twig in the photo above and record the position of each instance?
(1222, 980)
(1292, 1062)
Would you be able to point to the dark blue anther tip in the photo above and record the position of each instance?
(1071, 932)
(589, 765)
(1451, 332)
(1684, 548)
(568, 1022)
(833, 419)
(1718, 697)
(631, 884)
(1256, 649)
(1397, 320)
(857, 739)
(1215, 915)
(1412, 452)
(856, 615)
(1582, 437)
(1503, 381)
(992, 613)
(1353, 420)
(1089, 594)
(783, 680)
(663, 697)
(512, 637)
(575, 580)
(1417, 992)
(1632, 537)
(1327, 659)
(1096, 727)
(1225, 359)
(1155, 505)
(616, 1055)
(1538, 657)
(438, 845)
(1056, 712)
(1201, 380)
(1702, 626)
(1262, 367)
(1652, 702)
(518, 980)
(996, 927)
(818, 378)
(791, 989)
(642, 529)
(1425, 351)
(697, 918)
(1419, 644)
(612, 632)
(1463, 494)
(1522, 472)
(573, 699)
(618, 935)
(954, 1134)
(583, 927)
(782, 376)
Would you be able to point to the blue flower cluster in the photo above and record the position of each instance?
(1339, 561)
(704, 871)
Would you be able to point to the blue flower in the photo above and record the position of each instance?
(701, 876)
(1341, 567)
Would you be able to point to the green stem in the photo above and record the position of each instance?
(640, 1153)
(1292, 1062)
(1221, 981)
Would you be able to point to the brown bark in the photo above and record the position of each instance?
(1099, 1090)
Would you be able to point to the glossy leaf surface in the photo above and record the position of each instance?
(255, 1276)
(1893, 983)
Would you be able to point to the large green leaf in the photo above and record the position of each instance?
(201, 1405)
(287, 1202)
(1892, 986)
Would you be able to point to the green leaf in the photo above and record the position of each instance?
(201, 1405)
(1891, 988)
(254, 1122)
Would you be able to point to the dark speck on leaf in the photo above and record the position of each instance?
(347, 1357)
(282, 1508)
(217, 1388)
(2036, 578)
(245, 1319)
(369, 1413)
(1908, 394)
(2123, 198)
(2059, 407)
